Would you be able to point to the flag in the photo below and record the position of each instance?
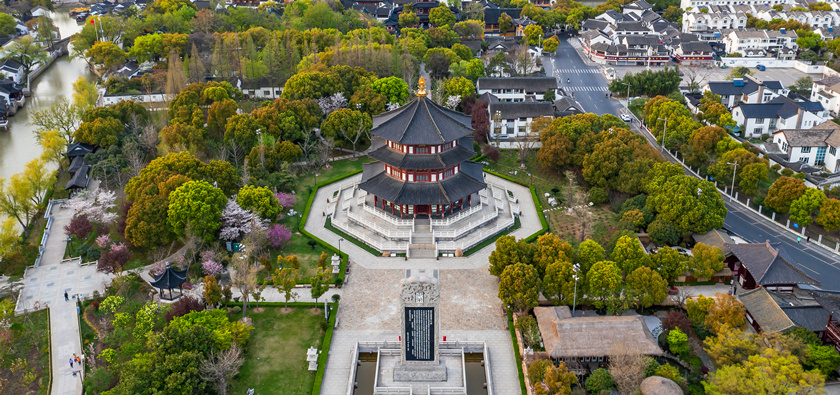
(92, 21)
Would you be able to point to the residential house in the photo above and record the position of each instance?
(491, 20)
(746, 90)
(816, 146)
(12, 70)
(765, 40)
(516, 89)
(516, 118)
(79, 180)
(779, 113)
(421, 8)
(773, 312)
(696, 21)
(762, 265)
(11, 94)
(585, 343)
(706, 3)
(566, 106)
(827, 92)
(695, 53)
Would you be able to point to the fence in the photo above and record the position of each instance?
(393, 220)
(476, 237)
(47, 229)
(342, 226)
(456, 233)
(457, 217)
(387, 233)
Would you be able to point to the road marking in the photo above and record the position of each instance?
(579, 71)
(584, 88)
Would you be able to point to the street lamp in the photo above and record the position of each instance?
(628, 97)
(661, 147)
(576, 270)
(339, 245)
(262, 148)
(734, 170)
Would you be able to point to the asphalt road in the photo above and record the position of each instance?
(590, 86)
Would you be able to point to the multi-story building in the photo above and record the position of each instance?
(746, 90)
(779, 113)
(516, 89)
(515, 118)
(766, 40)
(695, 4)
(816, 146)
(695, 22)
(827, 92)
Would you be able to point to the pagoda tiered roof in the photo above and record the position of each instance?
(422, 122)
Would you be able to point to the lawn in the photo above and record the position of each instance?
(26, 357)
(275, 361)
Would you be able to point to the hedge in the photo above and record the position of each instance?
(516, 351)
(537, 205)
(302, 223)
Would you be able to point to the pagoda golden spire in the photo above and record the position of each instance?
(421, 87)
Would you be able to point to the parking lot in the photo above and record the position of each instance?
(787, 76)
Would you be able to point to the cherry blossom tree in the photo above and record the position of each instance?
(279, 235)
(287, 200)
(331, 103)
(237, 222)
(97, 208)
(114, 259)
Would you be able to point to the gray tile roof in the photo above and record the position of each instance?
(468, 181)
(767, 266)
(764, 310)
(528, 84)
(522, 109)
(716, 238)
(422, 121)
(829, 301)
(813, 318)
(451, 157)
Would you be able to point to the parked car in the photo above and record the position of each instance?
(672, 290)
(625, 117)
(760, 67)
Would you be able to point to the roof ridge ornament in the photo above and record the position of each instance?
(421, 88)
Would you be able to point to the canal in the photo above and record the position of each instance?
(17, 142)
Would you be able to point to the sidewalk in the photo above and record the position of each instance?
(64, 336)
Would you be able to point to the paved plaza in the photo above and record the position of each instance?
(470, 307)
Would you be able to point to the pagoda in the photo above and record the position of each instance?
(422, 167)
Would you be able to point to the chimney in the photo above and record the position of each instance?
(800, 113)
(760, 93)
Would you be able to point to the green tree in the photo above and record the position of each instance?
(727, 311)
(829, 216)
(533, 33)
(103, 132)
(730, 346)
(508, 252)
(647, 286)
(751, 175)
(197, 206)
(408, 18)
(7, 25)
(629, 254)
(599, 381)
(348, 126)
(519, 286)
(84, 94)
(284, 281)
(673, 14)
(783, 192)
(312, 85)
(698, 309)
(824, 358)
(394, 88)
(551, 44)
(441, 16)
(603, 281)
(469, 29)
(589, 252)
(705, 261)
(669, 263)
(558, 380)
(678, 341)
(804, 207)
(368, 101)
(26, 51)
(106, 53)
(771, 372)
(212, 291)
(320, 284)
(260, 200)
(559, 283)
(663, 233)
(505, 22)
(739, 72)
(458, 87)
(688, 203)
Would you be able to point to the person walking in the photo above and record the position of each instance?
(71, 363)
(66, 296)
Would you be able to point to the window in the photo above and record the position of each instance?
(820, 159)
(421, 177)
(449, 172)
(804, 160)
(422, 150)
(805, 150)
(832, 151)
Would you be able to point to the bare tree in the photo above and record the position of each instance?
(136, 162)
(577, 202)
(220, 368)
(627, 367)
(681, 297)
(245, 279)
(695, 76)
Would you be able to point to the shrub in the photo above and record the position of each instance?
(668, 371)
(787, 172)
(186, 304)
(678, 342)
(279, 235)
(95, 305)
(536, 370)
(800, 176)
(677, 319)
(79, 227)
(88, 253)
(651, 368)
(111, 303)
(600, 380)
(598, 195)
(663, 233)
(776, 167)
(530, 331)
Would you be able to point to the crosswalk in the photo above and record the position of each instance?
(579, 71)
(584, 88)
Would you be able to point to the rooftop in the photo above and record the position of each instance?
(767, 266)
(765, 311)
(528, 84)
(420, 122)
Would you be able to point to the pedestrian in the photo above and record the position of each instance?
(66, 297)
(82, 358)
(71, 363)
(808, 239)
(798, 239)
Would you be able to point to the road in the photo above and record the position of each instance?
(590, 86)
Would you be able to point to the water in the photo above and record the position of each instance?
(365, 373)
(17, 142)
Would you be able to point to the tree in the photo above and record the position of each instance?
(220, 368)
(320, 283)
(663, 233)
(458, 87)
(106, 53)
(196, 205)
(688, 203)
(673, 14)
(824, 358)
(26, 51)
(599, 381)
(559, 283)
(408, 18)
(647, 285)
(394, 88)
(507, 253)
(589, 252)
(212, 291)
(677, 341)
(627, 367)
(739, 72)
(829, 216)
(771, 372)
(113, 260)
(676, 319)
(285, 280)
(84, 94)
(669, 263)
(349, 126)
(519, 286)
(751, 175)
(698, 309)
(804, 207)
(9, 237)
(7, 25)
(629, 254)
(705, 261)
(62, 116)
(727, 311)
(551, 44)
(730, 346)
(469, 28)
(783, 192)
(532, 33)
(505, 22)
(441, 16)
(603, 281)
(79, 227)
(244, 277)
(368, 101)
(260, 200)
(558, 381)
(103, 132)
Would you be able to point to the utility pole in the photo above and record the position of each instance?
(734, 171)
(661, 147)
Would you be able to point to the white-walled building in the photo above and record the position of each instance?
(767, 40)
(827, 92)
(516, 89)
(12, 70)
(693, 22)
(516, 117)
(816, 146)
(780, 113)
(684, 4)
(746, 90)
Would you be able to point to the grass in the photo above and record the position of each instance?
(516, 352)
(275, 362)
(30, 343)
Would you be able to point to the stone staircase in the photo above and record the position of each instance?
(421, 240)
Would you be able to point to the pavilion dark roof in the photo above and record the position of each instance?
(170, 278)
(829, 301)
(468, 181)
(380, 151)
(80, 179)
(422, 122)
(767, 266)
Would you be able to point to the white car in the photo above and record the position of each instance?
(625, 117)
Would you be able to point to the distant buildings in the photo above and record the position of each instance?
(517, 89)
